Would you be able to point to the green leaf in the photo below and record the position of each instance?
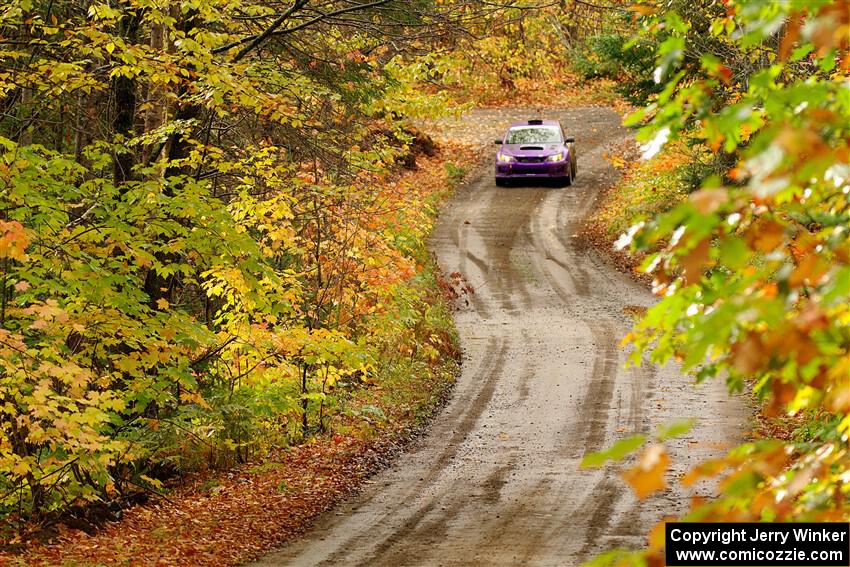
(617, 452)
(734, 253)
(802, 51)
(675, 429)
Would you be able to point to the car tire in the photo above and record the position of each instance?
(501, 182)
(573, 160)
(566, 181)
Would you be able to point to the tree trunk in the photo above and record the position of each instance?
(124, 89)
(155, 114)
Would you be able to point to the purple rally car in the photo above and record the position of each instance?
(535, 149)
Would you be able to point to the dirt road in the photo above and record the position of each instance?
(496, 481)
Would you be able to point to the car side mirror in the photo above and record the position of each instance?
(498, 142)
(569, 140)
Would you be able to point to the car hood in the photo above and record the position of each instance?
(531, 150)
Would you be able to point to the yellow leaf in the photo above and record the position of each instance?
(642, 9)
(195, 398)
(162, 303)
(21, 468)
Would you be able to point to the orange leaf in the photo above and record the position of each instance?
(783, 394)
(792, 33)
(695, 261)
(706, 201)
(657, 535)
(648, 476)
(13, 240)
(705, 469)
(808, 271)
(770, 290)
(725, 74)
(195, 398)
(642, 9)
(749, 355)
(765, 236)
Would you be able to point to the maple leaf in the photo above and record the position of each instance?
(648, 476)
(695, 261)
(21, 468)
(765, 236)
(704, 469)
(706, 201)
(748, 354)
(13, 240)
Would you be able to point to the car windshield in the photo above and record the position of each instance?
(533, 135)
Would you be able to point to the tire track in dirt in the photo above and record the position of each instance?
(597, 508)
(436, 527)
(597, 400)
(470, 411)
(500, 235)
(509, 285)
(460, 237)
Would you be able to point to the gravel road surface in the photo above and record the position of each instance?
(496, 480)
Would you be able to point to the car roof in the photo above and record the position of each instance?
(536, 123)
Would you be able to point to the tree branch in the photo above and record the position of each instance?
(255, 40)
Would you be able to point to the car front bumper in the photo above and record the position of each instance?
(515, 170)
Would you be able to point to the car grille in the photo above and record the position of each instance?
(525, 169)
(531, 159)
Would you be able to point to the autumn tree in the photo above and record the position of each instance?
(753, 269)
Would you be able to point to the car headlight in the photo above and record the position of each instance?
(557, 157)
(506, 158)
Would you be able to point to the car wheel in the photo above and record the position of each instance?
(501, 182)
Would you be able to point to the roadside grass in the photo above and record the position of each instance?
(646, 188)
(233, 516)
